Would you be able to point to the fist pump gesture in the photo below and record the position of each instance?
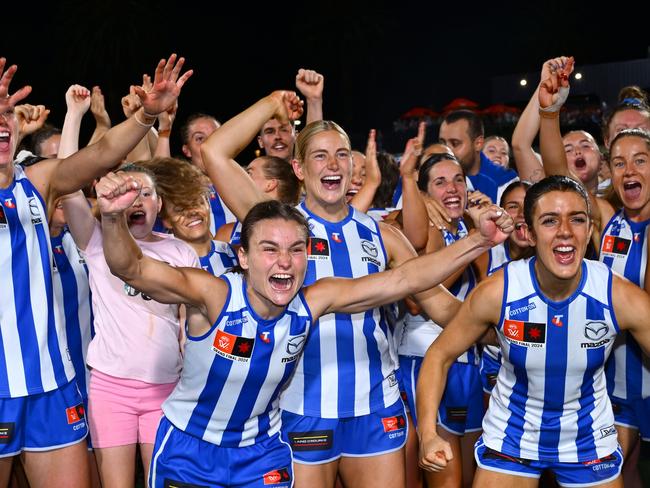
(289, 106)
(116, 192)
(554, 86)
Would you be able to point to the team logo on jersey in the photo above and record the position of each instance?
(7, 432)
(294, 347)
(9, 203)
(277, 476)
(58, 249)
(616, 245)
(336, 237)
(595, 331)
(213, 194)
(75, 414)
(235, 348)
(529, 334)
(318, 248)
(557, 320)
(370, 248)
(265, 337)
(34, 211)
(3, 218)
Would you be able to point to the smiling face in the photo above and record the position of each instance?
(497, 150)
(513, 203)
(561, 230)
(275, 264)
(456, 136)
(358, 175)
(141, 216)
(447, 186)
(190, 224)
(326, 171)
(8, 138)
(583, 157)
(277, 139)
(630, 167)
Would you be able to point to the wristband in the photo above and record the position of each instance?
(143, 124)
(562, 95)
(548, 115)
(164, 133)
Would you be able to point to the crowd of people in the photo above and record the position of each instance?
(476, 314)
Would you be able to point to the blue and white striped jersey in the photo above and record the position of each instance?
(219, 259)
(347, 369)
(235, 235)
(33, 356)
(233, 374)
(220, 213)
(72, 290)
(624, 248)
(550, 401)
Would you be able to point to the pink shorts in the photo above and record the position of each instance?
(122, 411)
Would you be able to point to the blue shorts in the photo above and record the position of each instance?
(42, 422)
(461, 406)
(489, 370)
(587, 473)
(634, 414)
(316, 440)
(182, 460)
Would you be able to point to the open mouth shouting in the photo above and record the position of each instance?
(520, 231)
(632, 190)
(137, 218)
(564, 254)
(580, 163)
(331, 182)
(281, 281)
(5, 140)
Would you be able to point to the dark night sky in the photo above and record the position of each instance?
(379, 58)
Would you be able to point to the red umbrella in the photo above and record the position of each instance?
(418, 113)
(458, 103)
(499, 108)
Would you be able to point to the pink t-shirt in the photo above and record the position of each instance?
(135, 337)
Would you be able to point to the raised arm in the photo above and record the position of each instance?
(77, 100)
(102, 119)
(415, 221)
(362, 201)
(528, 166)
(165, 123)
(311, 84)
(30, 119)
(553, 92)
(162, 282)
(478, 312)
(413, 276)
(60, 177)
(219, 151)
(131, 104)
